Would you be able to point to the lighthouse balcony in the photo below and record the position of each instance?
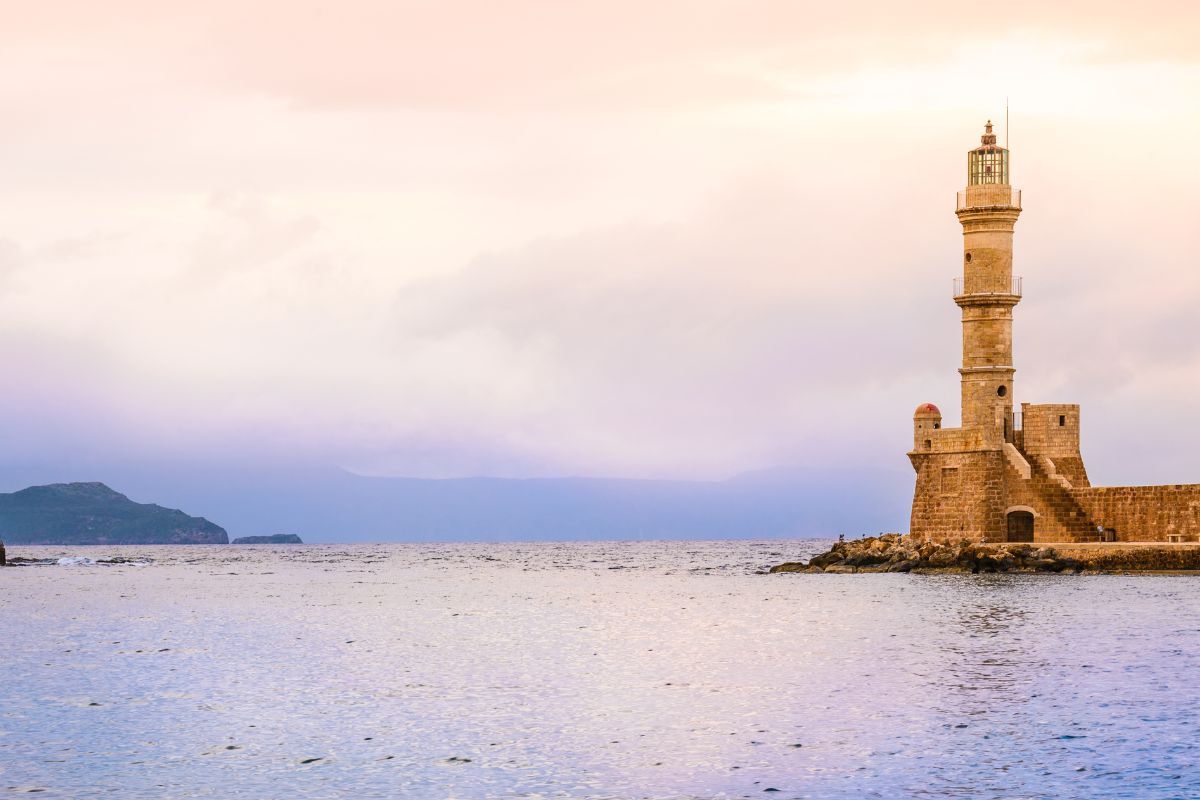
(989, 195)
(984, 286)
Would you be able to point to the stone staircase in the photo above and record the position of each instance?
(1058, 503)
(1016, 460)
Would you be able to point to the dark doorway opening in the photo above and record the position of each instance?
(1020, 526)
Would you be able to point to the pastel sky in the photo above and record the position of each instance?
(543, 237)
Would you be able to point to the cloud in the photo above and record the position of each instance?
(472, 55)
(11, 257)
(727, 339)
(246, 235)
(678, 239)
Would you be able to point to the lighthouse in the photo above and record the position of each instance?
(987, 292)
(1005, 477)
(970, 479)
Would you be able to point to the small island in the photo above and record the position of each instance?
(92, 513)
(278, 538)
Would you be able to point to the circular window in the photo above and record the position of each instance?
(968, 258)
(1003, 390)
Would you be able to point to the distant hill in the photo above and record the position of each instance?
(92, 513)
(275, 538)
(327, 505)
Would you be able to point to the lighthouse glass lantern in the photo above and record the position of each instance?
(987, 163)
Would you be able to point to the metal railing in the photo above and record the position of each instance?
(983, 285)
(1013, 432)
(1014, 201)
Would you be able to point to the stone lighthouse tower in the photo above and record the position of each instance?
(1004, 477)
(988, 209)
(961, 482)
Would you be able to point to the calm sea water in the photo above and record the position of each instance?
(598, 670)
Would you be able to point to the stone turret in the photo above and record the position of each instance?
(926, 419)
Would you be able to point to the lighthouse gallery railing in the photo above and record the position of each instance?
(1012, 201)
(981, 285)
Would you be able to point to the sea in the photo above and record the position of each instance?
(617, 670)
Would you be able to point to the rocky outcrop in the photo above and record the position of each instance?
(896, 553)
(92, 513)
(278, 538)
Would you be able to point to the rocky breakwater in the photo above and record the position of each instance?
(896, 553)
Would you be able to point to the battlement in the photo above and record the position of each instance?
(952, 440)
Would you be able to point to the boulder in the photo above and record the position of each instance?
(825, 559)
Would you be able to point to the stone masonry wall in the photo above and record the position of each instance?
(959, 495)
(1144, 513)
(1051, 429)
(1031, 495)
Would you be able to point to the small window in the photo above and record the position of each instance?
(1003, 390)
(968, 258)
(928, 444)
(1062, 420)
(937, 425)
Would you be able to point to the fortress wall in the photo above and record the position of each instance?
(959, 495)
(1144, 513)
(1071, 468)
(949, 440)
(1053, 520)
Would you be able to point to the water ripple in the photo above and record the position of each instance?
(591, 670)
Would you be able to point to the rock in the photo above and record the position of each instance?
(3, 556)
(992, 561)
(278, 538)
(1019, 551)
(941, 558)
(825, 559)
(895, 553)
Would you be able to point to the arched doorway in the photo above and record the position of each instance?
(1020, 526)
